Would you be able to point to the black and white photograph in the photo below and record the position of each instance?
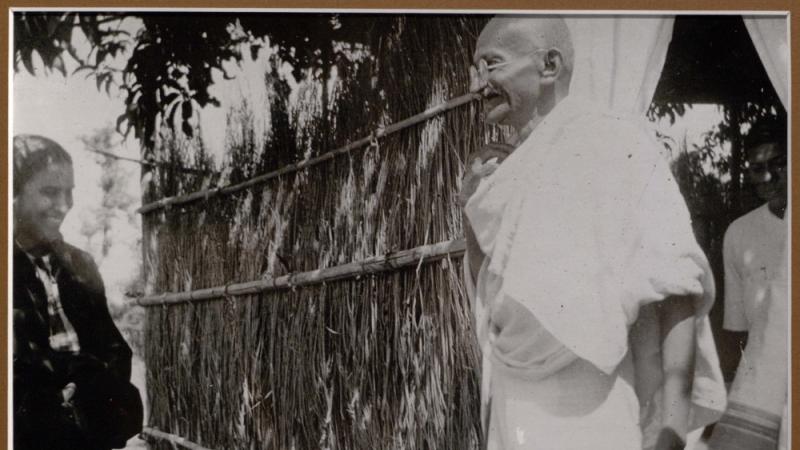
(244, 229)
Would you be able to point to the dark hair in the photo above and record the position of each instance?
(767, 131)
(32, 154)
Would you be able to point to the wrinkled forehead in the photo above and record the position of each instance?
(505, 38)
(764, 152)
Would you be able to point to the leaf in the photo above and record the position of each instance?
(52, 25)
(254, 51)
(171, 114)
(64, 31)
(58, 64)
(82, 67)
(101, 55)
(89, 27)
(120, 120)
(113, 49)
(26, 57)
(187, 128)
(173, 84)
(170, 98)
(186, 110)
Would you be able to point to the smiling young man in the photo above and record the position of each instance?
(71, 365)
(575, 232)
(756, 301)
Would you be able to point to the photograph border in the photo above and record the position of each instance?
(443, 6)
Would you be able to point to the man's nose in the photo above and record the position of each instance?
(478, 77)
(764, 176)
(63, 203)
(476, 82)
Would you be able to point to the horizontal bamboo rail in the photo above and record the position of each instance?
(375, 264)
(152, 432)
(167, 202)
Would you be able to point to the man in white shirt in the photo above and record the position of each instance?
(756, 301)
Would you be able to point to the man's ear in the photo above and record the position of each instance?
(552, 67)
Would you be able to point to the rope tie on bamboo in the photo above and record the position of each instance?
(373, 138)
(422, 254)
(373, 142)
(212, 192)
(227, 295)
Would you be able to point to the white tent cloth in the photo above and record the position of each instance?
(770, 39)
(618, 60)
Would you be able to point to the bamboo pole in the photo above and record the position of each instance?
(260, 179)
(172, 438)
(405, 258)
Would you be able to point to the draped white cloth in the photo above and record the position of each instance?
(583, 226)
(618, 60)
(770, 38)
(599, 222)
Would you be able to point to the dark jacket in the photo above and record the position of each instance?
(40, 372)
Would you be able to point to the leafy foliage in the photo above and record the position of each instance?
(672, 110)
(50, 35)
(174, 56)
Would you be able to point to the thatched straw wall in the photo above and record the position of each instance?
(385, 361)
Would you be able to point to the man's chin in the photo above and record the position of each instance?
(47, 237)
(766, 194)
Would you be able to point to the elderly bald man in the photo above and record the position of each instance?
(575, 230)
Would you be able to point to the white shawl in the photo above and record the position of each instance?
(584, 224)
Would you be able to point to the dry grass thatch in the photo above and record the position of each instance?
(385, 361)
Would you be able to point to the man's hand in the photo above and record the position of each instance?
(68, 392)
(480, 165)
(678, 344)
